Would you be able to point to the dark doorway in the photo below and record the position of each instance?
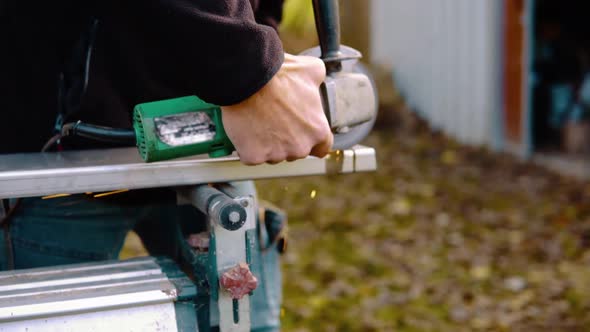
(561, 76)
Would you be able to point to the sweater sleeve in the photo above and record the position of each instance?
(270, 12)
(214, 49)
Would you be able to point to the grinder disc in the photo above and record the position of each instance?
(357, 133)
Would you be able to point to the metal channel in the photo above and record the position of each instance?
(17, 275)
(231, 250)
(128, 283)
(154, 317)
(107, 274)
(81, 288)
(43, 309)
(39, 174)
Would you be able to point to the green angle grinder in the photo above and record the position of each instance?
(179, 127)
(188, 126)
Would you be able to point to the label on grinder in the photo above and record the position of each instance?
(185, 128)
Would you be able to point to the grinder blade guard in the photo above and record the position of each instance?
(352, 128)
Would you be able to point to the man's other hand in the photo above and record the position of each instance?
(284, 120)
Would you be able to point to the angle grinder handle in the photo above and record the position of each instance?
(327, 22)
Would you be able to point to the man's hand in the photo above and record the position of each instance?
(284, 120)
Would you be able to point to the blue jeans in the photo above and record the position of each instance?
(80, 228)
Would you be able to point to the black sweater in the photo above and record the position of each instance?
(142, 50)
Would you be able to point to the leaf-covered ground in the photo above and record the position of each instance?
(441, 238)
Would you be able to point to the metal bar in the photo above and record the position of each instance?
(33, 310)
(73, 293)
(127, 283)
(151, 317)
(80, 288)
(39, 174)
(218, 206)
(18, 276)
(77, 279)
(230, 250)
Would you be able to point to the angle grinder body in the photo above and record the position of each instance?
(187, 126)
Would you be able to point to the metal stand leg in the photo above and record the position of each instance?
(232, 236)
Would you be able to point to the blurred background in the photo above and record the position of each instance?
(478, 217)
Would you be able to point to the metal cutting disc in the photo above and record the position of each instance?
(354, 135)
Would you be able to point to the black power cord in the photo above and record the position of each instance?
(99, 133)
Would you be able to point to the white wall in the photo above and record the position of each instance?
(446, 58)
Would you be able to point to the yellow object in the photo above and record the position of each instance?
(55, 196)
(110, 193)
(298, 17)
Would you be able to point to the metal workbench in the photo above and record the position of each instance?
(146, 293)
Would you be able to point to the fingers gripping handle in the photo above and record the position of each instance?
(327, 22)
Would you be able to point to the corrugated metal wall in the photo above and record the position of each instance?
(446, 60)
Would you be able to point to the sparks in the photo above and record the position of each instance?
(110, 193)
(55, 196)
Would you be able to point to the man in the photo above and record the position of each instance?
(94, 60)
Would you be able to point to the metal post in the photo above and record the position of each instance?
(232, 232)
